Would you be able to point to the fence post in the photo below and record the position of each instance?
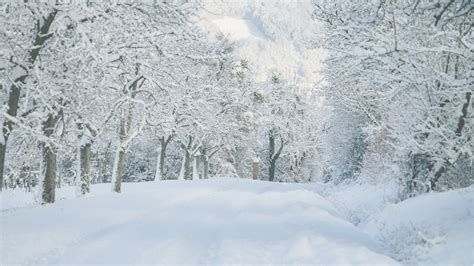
(255, 168)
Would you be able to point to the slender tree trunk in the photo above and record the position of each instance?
(3, 150)
(181, 171)
(49, 160)
(118, 170)
(196, 165)
(271, 169)
(85, 168)
(99, 169)
(119, 158)
(104, 164)
(160, 170)
(124, 130)
(49, 173)
(185, 172)
(59, 170)
(205, 171)
(187, 166)
(95, 178)
(273, 156)
(271, 151)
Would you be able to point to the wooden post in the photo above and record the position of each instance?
(255, 168)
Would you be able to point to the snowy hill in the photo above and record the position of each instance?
(271, 40)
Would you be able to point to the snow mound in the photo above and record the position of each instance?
(218, 221)
(435, 228)
(431, 229)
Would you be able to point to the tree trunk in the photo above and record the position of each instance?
(273, 156)
(49, 173)
(120, 156)
(104, 164)
(271, 169)
(95, 178)
(3, 150)
(49, 160)
(124, 135)
(187, 166)
(205, 171)
(181, 170)
(164, 144)
(118, 170)
(185, 172)
(160, 170)
(58, 181)
(196, 165)
(271, 151)
(85, 168)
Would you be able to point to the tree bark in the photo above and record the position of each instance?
(181, 170)
(196, 165)
(271, 174)
(185, 172)
(120, 157)
(124, 131)
(118, 168)
(103, 175)
(160, 171)
(187, 165)
(162, 158)
(271, 151)
(49, 160)
(3, 149)
(205, 170)
(273, 156)
(85, 168)
(49, 173)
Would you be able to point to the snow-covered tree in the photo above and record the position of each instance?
(403, 67)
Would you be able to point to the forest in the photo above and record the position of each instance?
(125, 95)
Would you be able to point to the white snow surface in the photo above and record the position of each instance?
(274, 36)
(430, 229)
(216, 221)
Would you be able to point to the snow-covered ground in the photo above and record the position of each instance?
(217, 221)
(239, 221)
(431, 229)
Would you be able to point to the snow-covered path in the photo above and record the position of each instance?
(217, 221)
